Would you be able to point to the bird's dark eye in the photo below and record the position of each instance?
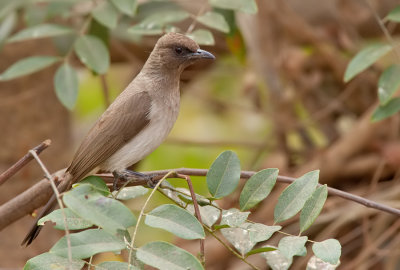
(178, 50)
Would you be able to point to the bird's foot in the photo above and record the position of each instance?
(132, 176)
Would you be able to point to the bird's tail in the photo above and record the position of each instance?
(35, 230)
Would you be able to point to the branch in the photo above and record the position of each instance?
(40, 193)
(23, 161)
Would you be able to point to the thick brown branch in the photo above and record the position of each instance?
(22, 162)
(37, 195)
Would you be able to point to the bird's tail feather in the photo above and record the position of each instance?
(35, 229)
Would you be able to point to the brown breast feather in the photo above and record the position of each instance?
(112, 131)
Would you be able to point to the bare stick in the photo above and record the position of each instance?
(55, 190)
(23, 161)
(196, 213)
(280, 179)
(106, 92)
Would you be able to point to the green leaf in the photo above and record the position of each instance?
(389, 83)
(224, 175)
(214, 20)
(166, 256)
(127, 7)
(97, 183)
(41, 31)
(48, 261)
(115, 265)
(389, 109)
(209, 214)
(233, 217)
(74, 221)
(276, 260)
(128, 193)
(27, 66)
(239, 238)
(157, 22)
(259, 232)
(328, 250)
(175, 220)
(93, 53)
(313, 207)
(66, 85)
(295, 195)
(87, 243)
(260, 250)
(106, 14)
(7, 26)
(365, 58)
(109, 214)
(202, 37)
(291, 246)
(394, 15)
(247, 6)
(257, 188)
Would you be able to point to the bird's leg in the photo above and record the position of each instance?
(128, 176)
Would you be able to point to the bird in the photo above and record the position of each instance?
(136, 122)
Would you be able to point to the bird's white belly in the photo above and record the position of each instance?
(145, 142)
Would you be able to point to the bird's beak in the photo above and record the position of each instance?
(202, 54)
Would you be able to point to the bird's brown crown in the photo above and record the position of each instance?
(177, 40)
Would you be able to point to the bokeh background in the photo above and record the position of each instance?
(275, 95)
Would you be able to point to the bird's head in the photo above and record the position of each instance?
(177, 51)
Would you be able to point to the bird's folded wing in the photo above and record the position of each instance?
(114, 129)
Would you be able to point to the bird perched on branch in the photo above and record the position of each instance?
(137, 122)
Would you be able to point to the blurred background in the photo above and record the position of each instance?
(275, 95)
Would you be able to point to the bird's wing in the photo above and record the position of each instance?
(114, 128)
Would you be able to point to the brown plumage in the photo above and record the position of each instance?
(139, 119)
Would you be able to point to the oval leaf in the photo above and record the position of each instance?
(389, 83)
(87, 243)
(257, 188)
(175, 220)
(127, 7)
(214, 20)
(41, 31)
(93, 53)
(48, 261)
(365, 58)
(259, 232)
(109, 214)
(166, 256)
(313, 207)
(224, 175)
(390, 108)
(115, 265)
(66, 85)
(248, 6)
(128, 193)
(291, 246)
(202, 37)
(328, 250)
(74, 222)
(276, 260)
(394, 15)
(260, 250)
(106, 14)
(233, 217)
(239, 238)
(7, 26)
(97, 183)
(209, 214)
(295, 195)
(27, 66)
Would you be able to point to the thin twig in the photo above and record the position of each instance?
(106, 91)
(193, 24)
(55, 190)
(142, 213)
(23, 161)
(280, 179)
(196, 213)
